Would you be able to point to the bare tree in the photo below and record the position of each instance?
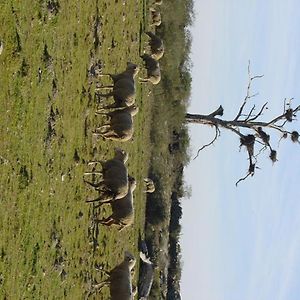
(248, 127)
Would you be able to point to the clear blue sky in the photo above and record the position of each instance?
(242, 243)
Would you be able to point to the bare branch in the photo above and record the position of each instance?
(261, 143)
(254, 95)
(248, 96)
(282, 125)
(217, 134)
(242, 179)
(279, 128)
(241, 109)
(260, 151)
(257, 77)
(218, 112)
(250, 113)
(282, 137)
(247, 115)
(251, 169)
(283, 116)
(259, 113)
(287, 104)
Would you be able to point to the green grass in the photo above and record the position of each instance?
(46, 249)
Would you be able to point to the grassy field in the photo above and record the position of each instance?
(48, 249)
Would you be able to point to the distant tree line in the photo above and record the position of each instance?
(171, 142)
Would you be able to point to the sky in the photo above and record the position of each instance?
(242, 243)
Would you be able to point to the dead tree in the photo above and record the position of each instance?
(247, 125)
